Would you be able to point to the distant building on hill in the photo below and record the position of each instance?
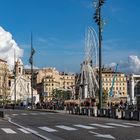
(49, 79)
(119, 90)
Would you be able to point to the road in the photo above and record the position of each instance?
(36, 125)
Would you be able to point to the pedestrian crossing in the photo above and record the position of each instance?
(102, 125)
(66, 127)
(85, 126)
(47, 129)
(72, 127)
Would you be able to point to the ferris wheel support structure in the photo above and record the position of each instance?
(88, 76)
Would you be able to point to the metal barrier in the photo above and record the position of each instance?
(110, 113)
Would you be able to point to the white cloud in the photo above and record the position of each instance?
(8, 47)
(134, 64)
(130, 66)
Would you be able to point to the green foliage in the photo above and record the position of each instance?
(104, 96)
(61, 94)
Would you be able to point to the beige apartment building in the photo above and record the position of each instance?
(67, 81)
(120, 83)
(4, 82)
(49, 79)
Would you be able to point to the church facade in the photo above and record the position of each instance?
(21, 85)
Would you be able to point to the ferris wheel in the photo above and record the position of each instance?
(88, 76)
(91, 47)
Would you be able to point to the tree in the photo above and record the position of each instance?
(105, 96)
(61, 94)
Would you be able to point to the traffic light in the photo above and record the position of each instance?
(96, 17)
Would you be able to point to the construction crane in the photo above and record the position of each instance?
(111, 88)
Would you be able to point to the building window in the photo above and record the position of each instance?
(9, 83)
(19, 70)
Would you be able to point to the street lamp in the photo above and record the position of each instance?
(98, 19)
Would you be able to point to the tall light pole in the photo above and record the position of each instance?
(15, 76)
(4, 85)
(98, 19)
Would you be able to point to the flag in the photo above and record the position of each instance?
(32, 52)
(30, 60)
(31, 57)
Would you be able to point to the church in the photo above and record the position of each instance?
(21, 85)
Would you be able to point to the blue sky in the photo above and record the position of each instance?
(58, 28)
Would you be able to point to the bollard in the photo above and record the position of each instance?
(2, 114)
(131, 115)
(118, 113)
(114, 113)
(104, 112)
(128, 115)
(75, 110)
(122, 114)
(136, 115)
(84, 111)
(80, 112)
(98, 113)
(95, 111)
(89, 113)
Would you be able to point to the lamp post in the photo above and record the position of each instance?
(98, 19)
(15, 76)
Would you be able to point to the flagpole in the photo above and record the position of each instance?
(31, 73)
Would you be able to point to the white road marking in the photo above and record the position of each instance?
(42, 113)
(102, 135)
(84, 126)
(132, 124)
(24, 131)
(65, 127)
(6, 115)
(14, 114)
(24, 114)
(33, 113)
(101, 125)
(33, 132)
(47, 129)
(121, 125)
(8, 131)
(51, 113)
